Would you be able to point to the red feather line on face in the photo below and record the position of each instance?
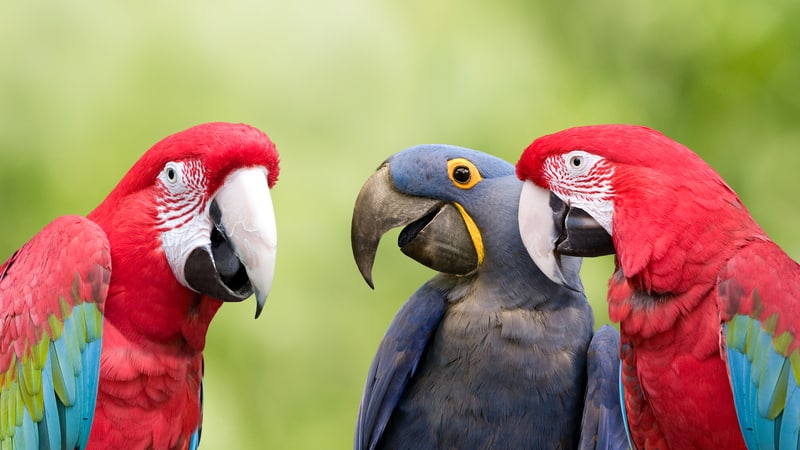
(595, 185)
(176, 209)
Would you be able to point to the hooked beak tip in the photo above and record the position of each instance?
(364, 251)
(261, 299)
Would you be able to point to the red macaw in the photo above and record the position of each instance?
(707, 303)
(103, 319)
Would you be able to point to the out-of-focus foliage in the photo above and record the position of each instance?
(85, 88)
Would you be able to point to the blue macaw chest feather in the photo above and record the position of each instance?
(497, 370)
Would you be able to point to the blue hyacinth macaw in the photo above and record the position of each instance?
(489, 353)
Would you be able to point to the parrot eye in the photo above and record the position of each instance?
(171, 172)
(463, 173)
(580, 162)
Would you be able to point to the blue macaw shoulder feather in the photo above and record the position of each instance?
(396, 360)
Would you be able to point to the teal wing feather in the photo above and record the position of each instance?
(759, 293)
(52, 294)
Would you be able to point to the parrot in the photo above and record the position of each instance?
(489, 353)
(103, 318)
(706, 303)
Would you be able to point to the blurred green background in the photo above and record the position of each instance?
(87, 87)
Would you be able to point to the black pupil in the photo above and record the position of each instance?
(576, 161)
(461, 174)
(171, 173)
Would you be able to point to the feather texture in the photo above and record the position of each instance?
(602, 426)
(396, 361)
(52, 291)
(759, 344)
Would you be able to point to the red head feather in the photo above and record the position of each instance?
(129, 217)
(664, 195)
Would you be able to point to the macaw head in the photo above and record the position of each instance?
(458, 209)
(194, 216)
(621, 189)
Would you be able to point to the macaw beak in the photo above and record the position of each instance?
(239, 259)
(435, 234)
(551, 229)
(579, 234)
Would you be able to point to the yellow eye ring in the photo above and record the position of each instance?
(463, 173)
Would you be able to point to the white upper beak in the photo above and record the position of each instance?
(249, 222)
(536, 227)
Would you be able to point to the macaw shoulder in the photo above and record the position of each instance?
(65, 265)
(52, 295)
(761, 281)
(758, 292)
(67, 254)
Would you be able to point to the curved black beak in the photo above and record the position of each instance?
(435, 233)
(215, 270)
(578, 233)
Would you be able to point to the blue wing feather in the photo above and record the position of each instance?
(759, 309)
(603, 425)
(790, 426)
(91, 374)
(52, 292)
(28, 436)
(765, 389)
(64, 375)
(64, 421)
(195, 441)
(50, 426)
(395, 362)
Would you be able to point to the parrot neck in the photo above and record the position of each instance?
(179, 322)
(672, 232)
(666, 269)
(145, 302)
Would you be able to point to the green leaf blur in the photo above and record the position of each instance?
(86, 87)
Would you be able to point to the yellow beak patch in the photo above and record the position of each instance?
(474, 232)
